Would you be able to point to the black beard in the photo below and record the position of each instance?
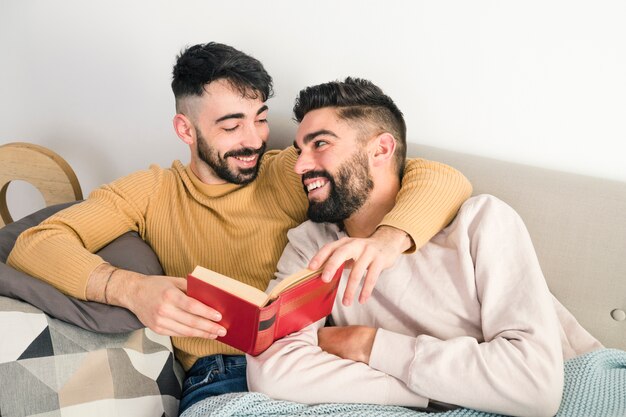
(219, 165)
(348, 192)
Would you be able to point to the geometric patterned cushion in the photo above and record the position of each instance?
(52, 368)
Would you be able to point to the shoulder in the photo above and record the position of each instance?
(279, 156)
(153, 174)
(313, 235)
(278, 179)
(304, 242)
(486, 211)
(279, 162)
(425, 165)
(486, 203)
(142, 184)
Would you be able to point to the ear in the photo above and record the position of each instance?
(383, 149)
(184, 128)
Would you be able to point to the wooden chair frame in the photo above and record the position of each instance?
(41, 167)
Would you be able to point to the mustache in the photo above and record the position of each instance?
(316, 174)
(245, 152)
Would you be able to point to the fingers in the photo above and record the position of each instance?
(367, 258)
(189, 321)
(193, 318)
(169, 311)
(197, 308)
(361, 255)
(354, 279)
(366, 270)
(169, 327)
(181, 283)
(373, 272)
(330, 265)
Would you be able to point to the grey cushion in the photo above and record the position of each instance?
(128, 251)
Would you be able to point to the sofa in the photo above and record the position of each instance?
(60, 356)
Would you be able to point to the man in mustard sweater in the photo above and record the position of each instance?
(229, 210)
(467, 320)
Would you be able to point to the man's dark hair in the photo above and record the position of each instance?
(201, 64)
(360, 101)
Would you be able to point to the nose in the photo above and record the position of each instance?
(304, 163)
(255, 137)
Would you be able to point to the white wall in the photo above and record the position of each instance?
(537, 82)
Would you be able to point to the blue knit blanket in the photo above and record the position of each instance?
(595, 385)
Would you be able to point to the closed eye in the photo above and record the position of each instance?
(230, 129)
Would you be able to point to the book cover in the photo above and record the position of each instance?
(253, 319)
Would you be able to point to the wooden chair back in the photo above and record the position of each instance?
(40, 167)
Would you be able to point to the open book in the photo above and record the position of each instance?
(254, 319)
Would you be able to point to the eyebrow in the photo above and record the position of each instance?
(309, 137)
(240, 115)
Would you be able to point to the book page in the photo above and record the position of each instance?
(238, 288)
(292, 280)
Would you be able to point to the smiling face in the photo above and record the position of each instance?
(239, 166)
(334, 166)
(231, 132)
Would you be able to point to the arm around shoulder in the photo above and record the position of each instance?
(430, 197)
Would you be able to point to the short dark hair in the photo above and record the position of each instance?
(359, 100)
(201, 64)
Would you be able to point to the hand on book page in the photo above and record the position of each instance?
(254, 319)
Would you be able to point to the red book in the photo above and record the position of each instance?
(254, 319)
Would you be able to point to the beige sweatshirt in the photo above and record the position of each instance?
(466, 320)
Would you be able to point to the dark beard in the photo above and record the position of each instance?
(219, 165)
(349, 191)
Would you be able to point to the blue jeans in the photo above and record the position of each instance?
(213, 375)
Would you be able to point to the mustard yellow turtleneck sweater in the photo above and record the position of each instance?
(239, 231)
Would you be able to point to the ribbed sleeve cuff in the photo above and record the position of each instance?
(430, 197)
(392, 353)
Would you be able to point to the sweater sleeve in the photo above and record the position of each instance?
(284, 183)
(517, 369)
(61, 249)
(295, 368)
(430, 197)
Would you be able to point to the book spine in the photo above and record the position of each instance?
(306, 304)
(267, 324)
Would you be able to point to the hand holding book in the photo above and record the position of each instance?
(254, 319)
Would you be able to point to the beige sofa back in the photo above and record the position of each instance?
(578, 227)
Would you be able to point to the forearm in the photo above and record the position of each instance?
(110, 285)
(430, 197)
(400, 239)
(296, 369)
(61, 249)
(509, 375)
(55, 256)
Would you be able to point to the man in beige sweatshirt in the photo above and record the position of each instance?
(467, 320)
